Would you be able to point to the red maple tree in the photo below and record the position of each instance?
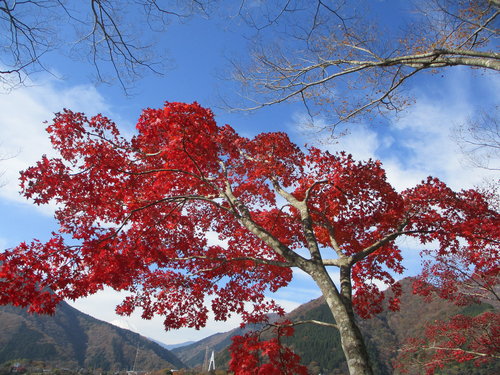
(134, 215)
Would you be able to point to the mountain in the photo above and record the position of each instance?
(173, 346)
(319, 347)
(72, 339)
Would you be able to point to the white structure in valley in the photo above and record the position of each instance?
(209, 364)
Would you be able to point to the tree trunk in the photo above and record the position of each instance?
(351, 339)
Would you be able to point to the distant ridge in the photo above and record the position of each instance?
(71, 339)
(173, 346)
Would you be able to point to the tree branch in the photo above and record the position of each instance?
(306, 221)
(477, 354)
(377, 245)
(243, 215)
(310, 321)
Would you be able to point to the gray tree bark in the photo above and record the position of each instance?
(352, 342)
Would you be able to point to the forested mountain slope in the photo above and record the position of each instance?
(71, 339)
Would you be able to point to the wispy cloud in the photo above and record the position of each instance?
(419, 141)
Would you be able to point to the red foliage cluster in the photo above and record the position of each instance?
(466, 267)
(251, 356)
(462, 338)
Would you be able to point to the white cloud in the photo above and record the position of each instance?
(361, 141)
(214, 240)
(401, 177)
(23, 112)
(289, 305)
(426, 146)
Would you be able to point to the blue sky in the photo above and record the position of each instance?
(412, 146)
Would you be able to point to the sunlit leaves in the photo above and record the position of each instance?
(250, 355)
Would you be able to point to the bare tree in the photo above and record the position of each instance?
(479, 140)
(327, 49)
(108, 33)
(337, 60)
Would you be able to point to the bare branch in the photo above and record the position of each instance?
(476, 354)
(104, 30)
(244, 216)
(377, 245)
(307, 224)
(479, 139)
